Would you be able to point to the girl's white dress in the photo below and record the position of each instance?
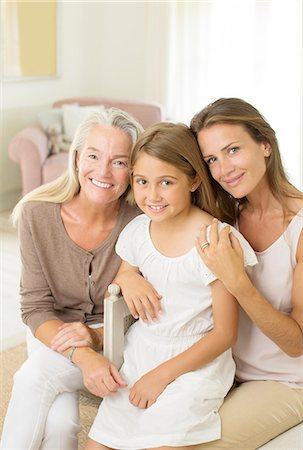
(186, 412)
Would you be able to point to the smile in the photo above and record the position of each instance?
(157, 208)
(233, 181)
(100, 184)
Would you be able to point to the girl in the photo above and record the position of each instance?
(178, 368)
(242, 154)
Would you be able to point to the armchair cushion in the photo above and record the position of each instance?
(49, 117)
(54, 166)
(73, 116)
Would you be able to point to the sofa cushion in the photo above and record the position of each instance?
(49, 117)
(54, 166)
(73, 115)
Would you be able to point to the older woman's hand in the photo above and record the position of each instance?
(223, 255)
(77, 334)
(100, 376)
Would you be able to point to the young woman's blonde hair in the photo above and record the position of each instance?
(237, 111)
(176, 145)
(64, 188)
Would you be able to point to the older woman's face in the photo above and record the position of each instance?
(103, 164)
(234, 159)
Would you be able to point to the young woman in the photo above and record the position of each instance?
(241, 152)
(68, 230)
(179, 367)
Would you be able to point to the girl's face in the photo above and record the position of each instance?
(103, 164)
(234, 159)
(161, 190)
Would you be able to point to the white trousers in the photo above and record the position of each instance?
(43, 412)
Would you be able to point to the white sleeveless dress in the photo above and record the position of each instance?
(186, 412)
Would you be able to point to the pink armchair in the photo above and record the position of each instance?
(29, 148)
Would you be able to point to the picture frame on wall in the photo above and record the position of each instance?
(30, 40)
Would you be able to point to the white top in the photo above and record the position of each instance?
(186, 412)
(175, 278)
(256, 356)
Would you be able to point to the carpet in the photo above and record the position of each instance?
(10, 361)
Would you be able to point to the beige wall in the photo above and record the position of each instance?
(102, 52)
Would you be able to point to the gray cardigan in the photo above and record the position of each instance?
(60, 280)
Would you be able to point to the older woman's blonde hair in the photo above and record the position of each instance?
(65, 187)
(237, 111)
(175, 144)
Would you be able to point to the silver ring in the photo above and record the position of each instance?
(204, 245)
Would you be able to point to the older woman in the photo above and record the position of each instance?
(68, 230)
(241, 152)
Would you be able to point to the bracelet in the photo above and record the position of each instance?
(70, 354)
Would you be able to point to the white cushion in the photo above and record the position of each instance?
(73, 115)
(51, 116)
(291, 439)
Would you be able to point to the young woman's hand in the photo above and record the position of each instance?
(147, 389)
(100, 376)
(77, 334)
(140, 296)
(224, 254)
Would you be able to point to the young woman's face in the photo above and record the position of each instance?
(234, 159)
(103, 164)
(161, 190)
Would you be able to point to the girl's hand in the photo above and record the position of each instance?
(78, 334)
(147, 389)
(140, 296)
(223, 256)
(100, 376)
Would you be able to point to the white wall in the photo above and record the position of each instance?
(102, 51)
(120, 52)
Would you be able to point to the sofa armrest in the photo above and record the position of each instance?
(29, 149)
(117, 320)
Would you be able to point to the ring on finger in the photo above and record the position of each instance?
(204, 245)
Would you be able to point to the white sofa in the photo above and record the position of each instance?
(290, 440)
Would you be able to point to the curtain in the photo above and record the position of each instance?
(198, 51)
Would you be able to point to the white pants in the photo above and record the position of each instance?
(43, 412)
